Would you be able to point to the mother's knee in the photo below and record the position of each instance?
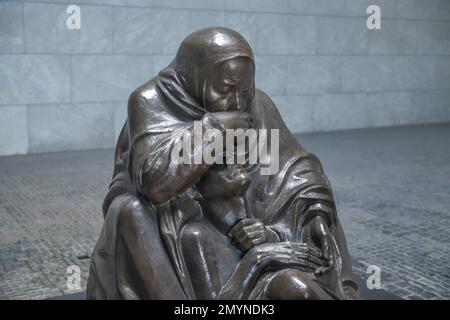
(290, 284)
(128, 207)
(193, 233)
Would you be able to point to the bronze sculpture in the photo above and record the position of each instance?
(215, 231)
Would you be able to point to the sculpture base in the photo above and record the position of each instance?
(374, 294)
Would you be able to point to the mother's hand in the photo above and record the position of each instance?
(281, 255)
(316, 233)
(269, 257)
(233, 119)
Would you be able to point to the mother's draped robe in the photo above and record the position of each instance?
(151, 198)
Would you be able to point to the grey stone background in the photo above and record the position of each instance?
(66, 90)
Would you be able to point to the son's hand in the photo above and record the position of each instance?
(248, 233)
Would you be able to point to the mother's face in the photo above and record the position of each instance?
(231, 87)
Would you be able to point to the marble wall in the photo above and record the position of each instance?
(64, 89)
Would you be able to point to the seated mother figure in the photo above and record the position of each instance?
(167, 235)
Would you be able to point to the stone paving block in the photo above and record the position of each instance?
(270, 74)
(149, 30)
(389, 109)
(192, 4)
(46, 30)
(71, 127)
(338, 111)
(244, 23)
(11, 27)
(442, 71)
(297, 112)
(417, 9)
(431, 106)
(28, 79)
(302, 32)
(132, 30)
(272, 35)
(108, 78)
(257, 5)
(198, 19)
(366, 74)
(285, 34)
(139, 3)
(392, 73)
(396, 37)
(420, 73)
(313, 74)
(344, 36)
(13, 130)
(315, 7)
(168, 35)
(329, 7)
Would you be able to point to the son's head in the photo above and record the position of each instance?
(224, 181)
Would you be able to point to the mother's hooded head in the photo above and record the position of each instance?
(215, 67)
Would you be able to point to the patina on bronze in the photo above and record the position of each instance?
(199, 231)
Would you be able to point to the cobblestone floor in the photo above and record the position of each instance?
(391, 187)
